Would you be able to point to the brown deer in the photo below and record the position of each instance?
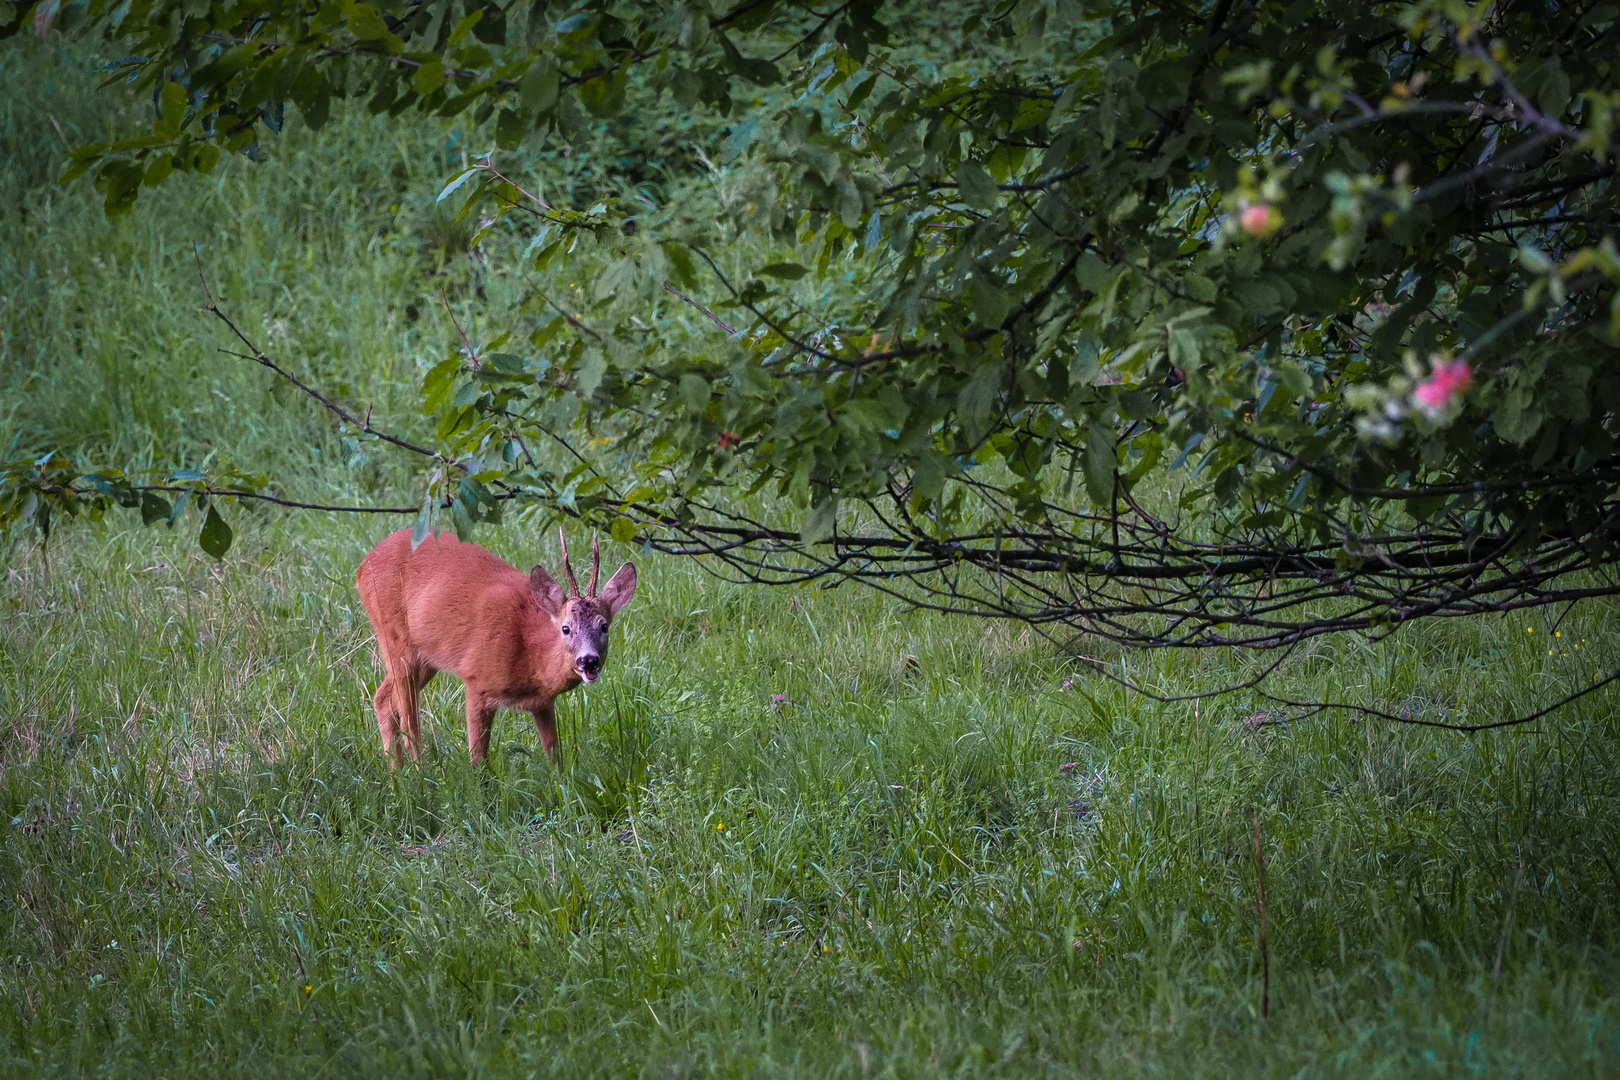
(516, 640)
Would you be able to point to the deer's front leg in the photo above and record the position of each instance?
(480, 718)
(545, 725)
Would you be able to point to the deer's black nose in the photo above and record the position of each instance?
(590, 665)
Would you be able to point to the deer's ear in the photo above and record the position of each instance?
(547, 593)
(620, 588)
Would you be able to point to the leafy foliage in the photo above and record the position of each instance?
(1200, 324)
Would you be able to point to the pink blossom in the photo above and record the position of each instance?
(1260, 219)
(1450, 380)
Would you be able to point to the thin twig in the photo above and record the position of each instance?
(575, 323)
(1368, 710)
(711, 315)
(472, 354)
(819, 27)
(236, 493)
(258, 356)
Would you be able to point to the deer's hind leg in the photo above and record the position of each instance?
(388, 720)
(397, 702)
(416, 676)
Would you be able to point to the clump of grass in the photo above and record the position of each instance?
(443, 237)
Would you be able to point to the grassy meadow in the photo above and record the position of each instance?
(794, 832)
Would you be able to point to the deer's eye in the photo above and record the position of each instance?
(565, 628)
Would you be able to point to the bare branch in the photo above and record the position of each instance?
(258, 356)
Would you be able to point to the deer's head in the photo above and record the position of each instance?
(583, 620)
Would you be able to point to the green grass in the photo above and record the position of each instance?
(212, 870)
(209, 870)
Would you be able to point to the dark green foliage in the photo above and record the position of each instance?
(1351, 267)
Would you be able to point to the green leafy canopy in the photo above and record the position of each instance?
(1175, 320)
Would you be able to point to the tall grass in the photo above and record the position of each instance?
(330, 254)
(794, 832)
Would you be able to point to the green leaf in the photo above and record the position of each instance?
(1185, 348)
(81, 161)
(973, 183)
(603, 96)
(1125, 207)
(859, 95)
(680, 259)
(438, 384)
(819, 523)
(1514, 419)
(790, 271)
(1100, 463)
(591, 371)
(313, 95)
(623, 530)
(161, 167)
(760, 72)
(155, 508)
(174, 111)
(215, 538)
(366, 25)
(121, 181)
(462, 519)
(574, 24)
(1295, 382)
(455, 182)
(826, 163)
(694, 391)
(510, 129)
(491, 29)
(538, 88)
(1136, 405)
(685, 86)
(424, 523)
(977, 398)
(1033, 33)
(429, 77)
(1423, 507)
(281, 391)
(928, 477)
(991, 303)
(464, 27)
(1032, 112)
(1554, 93)
(547, 253)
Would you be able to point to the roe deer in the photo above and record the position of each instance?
(516, 640)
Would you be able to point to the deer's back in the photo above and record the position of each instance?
(455, 605)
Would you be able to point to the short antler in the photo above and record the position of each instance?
(567, 569)
(596, 562)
